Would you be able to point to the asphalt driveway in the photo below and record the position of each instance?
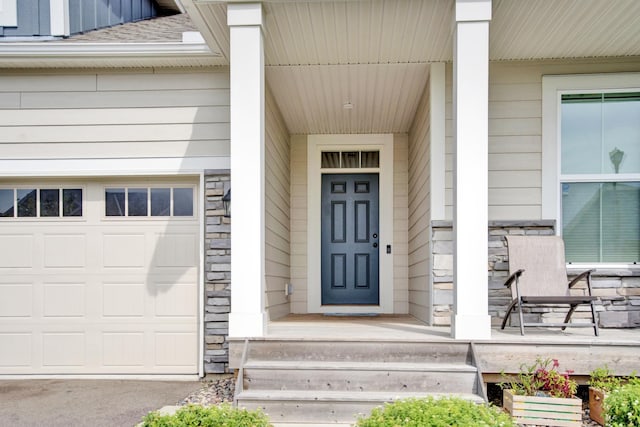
(93, 403)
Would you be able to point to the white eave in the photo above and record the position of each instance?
(94, 55)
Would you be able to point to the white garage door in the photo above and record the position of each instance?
(99, 277)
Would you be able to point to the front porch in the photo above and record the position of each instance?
(577, 349)
(331, 368)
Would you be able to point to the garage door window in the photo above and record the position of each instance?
(145, 202)
(40, 203)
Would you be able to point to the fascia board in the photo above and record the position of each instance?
(103, 49)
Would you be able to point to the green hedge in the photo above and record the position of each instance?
(430, 412)
(214, 416)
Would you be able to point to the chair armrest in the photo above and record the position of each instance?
(584, 274)
(587, 275)
(513, 277)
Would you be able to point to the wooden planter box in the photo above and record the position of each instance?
(543, 411)
(596, 399)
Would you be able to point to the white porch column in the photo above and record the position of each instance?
(470, 170)
(247, 317)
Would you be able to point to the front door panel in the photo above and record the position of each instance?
(350, 253)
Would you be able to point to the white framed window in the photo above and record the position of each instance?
(143, 201)
(591, 165)
(8, 13)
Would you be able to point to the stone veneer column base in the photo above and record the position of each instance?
(217, 296)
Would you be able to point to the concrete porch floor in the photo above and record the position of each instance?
(408, 328)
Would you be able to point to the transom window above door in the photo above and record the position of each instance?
(148, 201)
(350, 159)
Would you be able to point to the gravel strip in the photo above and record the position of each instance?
(215, 390)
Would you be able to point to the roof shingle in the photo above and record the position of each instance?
(159, 29)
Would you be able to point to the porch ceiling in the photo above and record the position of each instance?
(321, 54)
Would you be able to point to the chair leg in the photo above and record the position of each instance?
(569, 314)
(593, 317)
(521, 317)
(506, 316)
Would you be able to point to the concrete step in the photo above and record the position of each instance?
(360, 351)
(354, 376)
(325, 407)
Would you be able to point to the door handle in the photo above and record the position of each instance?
(375, 245)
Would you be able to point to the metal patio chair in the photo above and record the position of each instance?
(538, 277)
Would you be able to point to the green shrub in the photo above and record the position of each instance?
(214, 416)
(432, 412)
(622, 406)
(604, 379)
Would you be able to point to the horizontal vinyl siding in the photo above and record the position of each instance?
(419, 212)
(515, 133)
(114, 115)
(400, 249)
(299, 223)
(277, 213)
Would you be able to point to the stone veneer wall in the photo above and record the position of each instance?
(217, 274)
(619, 290)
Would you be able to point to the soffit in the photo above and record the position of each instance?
(384, 97)
(320, 54)
(395, 31)
(544, 29)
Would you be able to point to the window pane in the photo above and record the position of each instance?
(581, 133)
(26, 203)
(137, 198)
(621, 222)
(183, 202)
(601, 221)
(72, 202)
(114, 202)
(6, 203)
(160, 201)
(370, 159)
(351, 159)
(331, 159)
(49, 203)
(621, 120)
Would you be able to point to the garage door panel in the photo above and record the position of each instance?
(64, 300)
(176, 250)
(63, 349)
(123, 349)
(16, 350)
(65, 251)
(123, 299)
(16, 300)
(16, 251)
(175, 348)
(123, 250)
(176, 299)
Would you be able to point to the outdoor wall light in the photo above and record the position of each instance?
(226, 202)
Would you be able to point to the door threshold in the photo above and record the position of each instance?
(351, 314)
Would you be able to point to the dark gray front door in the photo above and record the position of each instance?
(350, 271)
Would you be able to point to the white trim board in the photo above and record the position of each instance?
(8, 13)
(315, 145)
(101, 167)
